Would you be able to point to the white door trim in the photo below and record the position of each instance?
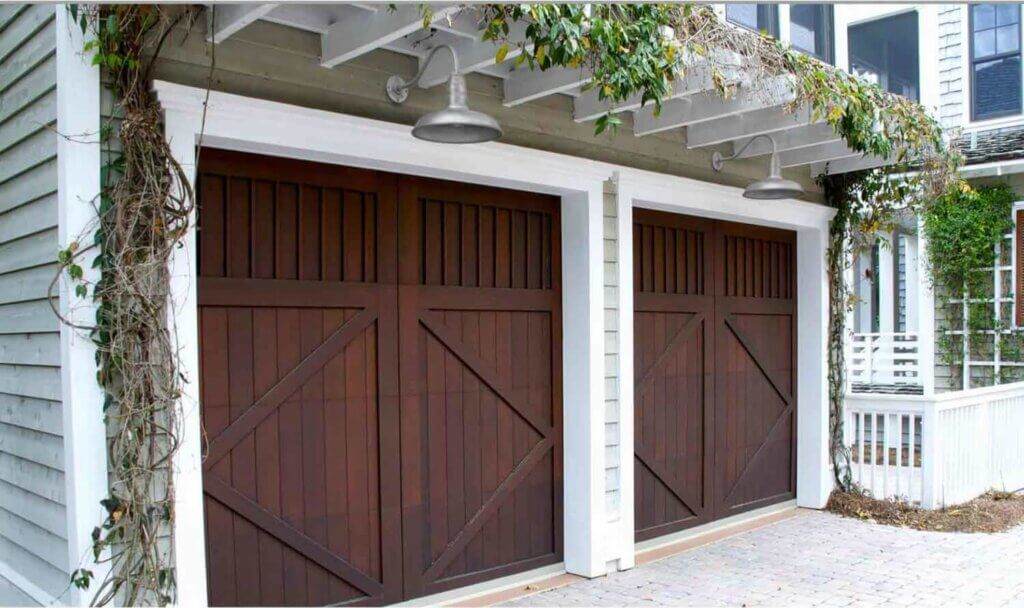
(811, 223)
(252, 125)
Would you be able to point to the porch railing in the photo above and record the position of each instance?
(938, 450)
(888, 359)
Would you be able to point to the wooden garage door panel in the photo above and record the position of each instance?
(755, 405)
(331, 477)
(480, 383)
(670, 418)
(714, 366)
(304, 523)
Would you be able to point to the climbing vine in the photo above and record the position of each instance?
(630, 51)
(142, 215)
(964, 226)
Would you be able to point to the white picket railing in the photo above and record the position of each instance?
(884, 359)
(938, 450)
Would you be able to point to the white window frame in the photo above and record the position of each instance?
(967, 79)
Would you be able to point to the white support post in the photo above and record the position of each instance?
(814, 480)
(583, 381)
(884, 281)
(913, 277)
(78, 187)
(931, 474)
(925, 315)
(626, 530)
(183, 315)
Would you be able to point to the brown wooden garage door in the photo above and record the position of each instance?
(715, 369)
(380, 382)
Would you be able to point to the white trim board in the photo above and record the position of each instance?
(82, 399)
(252, 125)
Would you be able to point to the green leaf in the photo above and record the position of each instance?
(501, 54)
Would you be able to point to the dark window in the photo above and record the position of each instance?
(885, 52)
(995, 60)
(810, 29)
(754, 16)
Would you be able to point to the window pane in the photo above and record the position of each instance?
(997, 88)
(984, 43)
(805, 27)
(753, 16)
(984, 16)
(810, 29)
(885, 52)
(1007, 39)
(1007, 13)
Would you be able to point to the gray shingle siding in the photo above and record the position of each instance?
(952, 80)
(612, 471)
(33, 520)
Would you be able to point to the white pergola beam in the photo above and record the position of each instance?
(229, 18)
(473, 55)
(466, 24)
(767, 120)
(846, 165)
(699, 78)
(791, 139)
(700, 108)
(362, 33)
(525, 85)
(833, 150)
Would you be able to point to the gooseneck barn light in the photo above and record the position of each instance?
(456, 124)
(772, 187)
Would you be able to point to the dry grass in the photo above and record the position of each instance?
(991, 512)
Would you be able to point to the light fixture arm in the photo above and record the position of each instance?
(398, 87)
(717, 160)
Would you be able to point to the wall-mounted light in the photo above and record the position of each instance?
(456, 124)
(772, 187)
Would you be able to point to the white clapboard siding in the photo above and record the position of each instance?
(33, 519)
(612, 457)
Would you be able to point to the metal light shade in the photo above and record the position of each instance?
(457, 124)
(774, 186)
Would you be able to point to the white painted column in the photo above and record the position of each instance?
(183, 315)
(925, 313)
(78, 187)
(863, 284)
(913, 278)
(626, 532)
(813, 476)
(885, 282)
(586, 544)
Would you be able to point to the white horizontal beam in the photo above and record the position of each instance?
(466, 24)
(525, 85)
(767, 120)
(699, 108)
(846, 165)
(832, 150)
(473, 55)
(362, 33)
(699, 78)
(791, 139)
(229, 18)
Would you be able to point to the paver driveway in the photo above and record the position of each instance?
(819, 559)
